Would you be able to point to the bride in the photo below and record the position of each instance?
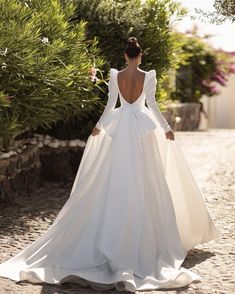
(134, 210)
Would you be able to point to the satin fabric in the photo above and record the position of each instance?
(133, 212)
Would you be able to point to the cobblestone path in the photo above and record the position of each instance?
(211, 156)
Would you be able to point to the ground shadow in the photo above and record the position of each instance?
(196, 256)
(70, 288)
(177, 290)
(42, 206)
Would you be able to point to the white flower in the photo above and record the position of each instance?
(4, 52)
(45, 40)
(4, 65)
(93, 76)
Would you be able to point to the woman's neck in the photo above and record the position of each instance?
(132, 67)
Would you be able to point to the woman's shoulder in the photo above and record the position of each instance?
(149, 74)
(123, 69)
(151, 79)
(113, 70)
(152, 72)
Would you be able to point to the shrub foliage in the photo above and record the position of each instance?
(45, 62)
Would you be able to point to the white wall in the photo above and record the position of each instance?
(221, 108)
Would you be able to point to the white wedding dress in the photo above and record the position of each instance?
(134, 210)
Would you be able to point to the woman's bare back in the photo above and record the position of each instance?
(131, 84)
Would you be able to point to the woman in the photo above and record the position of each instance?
(134, 210)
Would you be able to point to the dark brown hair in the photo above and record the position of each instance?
(133, 48)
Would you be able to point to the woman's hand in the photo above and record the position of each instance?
(95, 131)
(170, 135)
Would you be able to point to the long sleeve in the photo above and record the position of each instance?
(112, 98)
(151, 101)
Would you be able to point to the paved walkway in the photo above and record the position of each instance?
(211, 156)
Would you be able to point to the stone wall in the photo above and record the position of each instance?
(19, 174)
(183, 116)
(42, 158)
(60, 164)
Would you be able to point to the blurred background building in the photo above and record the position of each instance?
(220, 108)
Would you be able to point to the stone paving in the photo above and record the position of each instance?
(211, 156)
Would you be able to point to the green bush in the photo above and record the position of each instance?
(201, 69)
(113, 21)
(159, 42)
(45, 63)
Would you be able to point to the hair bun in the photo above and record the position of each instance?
(133, 48)
(132, 42)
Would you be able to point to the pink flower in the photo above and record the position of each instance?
(214, 90)
(219, 79)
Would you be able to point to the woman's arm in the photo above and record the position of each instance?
(151, 101)
(112, 99)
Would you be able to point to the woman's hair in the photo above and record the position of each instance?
(133, 48)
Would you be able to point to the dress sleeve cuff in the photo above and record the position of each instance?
(99, 125)
(167, 128)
